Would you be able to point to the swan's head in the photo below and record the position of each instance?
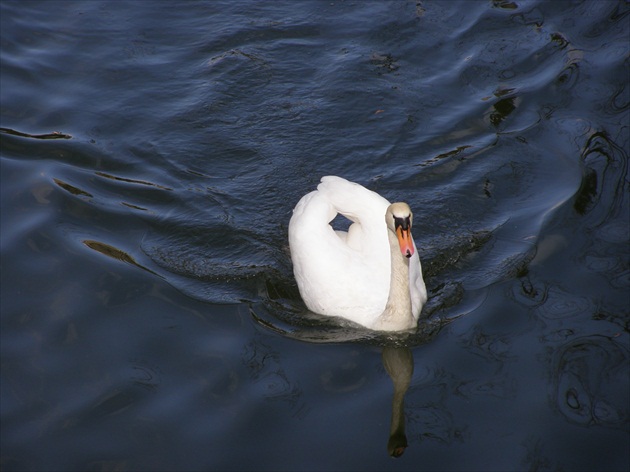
(399, 218)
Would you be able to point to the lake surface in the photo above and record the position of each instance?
(152, 153)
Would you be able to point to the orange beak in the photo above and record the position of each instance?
(405, 241)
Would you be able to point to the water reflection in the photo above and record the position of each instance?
(502, 109)
(72, 189)
(115, 253)
(270, 378)
(398, 362)
(293, 322)
(584, 370)
(53, 135)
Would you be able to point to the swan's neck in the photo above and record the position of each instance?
(397, 315)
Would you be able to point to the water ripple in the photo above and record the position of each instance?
(562, 304)
(584, 369)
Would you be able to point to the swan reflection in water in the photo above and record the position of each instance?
(398, 362)
(397, 357)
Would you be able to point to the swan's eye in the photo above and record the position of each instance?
(403, 222)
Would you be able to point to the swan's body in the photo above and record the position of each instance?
(349, 274)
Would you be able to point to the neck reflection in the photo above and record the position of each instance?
(398, 362)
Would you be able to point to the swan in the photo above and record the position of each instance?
(371, 274)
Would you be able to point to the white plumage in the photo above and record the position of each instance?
(349, 274)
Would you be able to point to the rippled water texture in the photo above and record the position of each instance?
(152, 153)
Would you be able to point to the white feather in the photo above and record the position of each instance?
(347, 274)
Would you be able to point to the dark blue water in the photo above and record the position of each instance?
(152, 153)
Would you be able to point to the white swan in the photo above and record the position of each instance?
(370, 275)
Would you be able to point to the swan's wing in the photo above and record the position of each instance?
(338, 277)
(366, 209)
(354, 201)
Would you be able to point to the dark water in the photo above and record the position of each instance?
(151, 155)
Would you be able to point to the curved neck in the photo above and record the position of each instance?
(397, 314)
